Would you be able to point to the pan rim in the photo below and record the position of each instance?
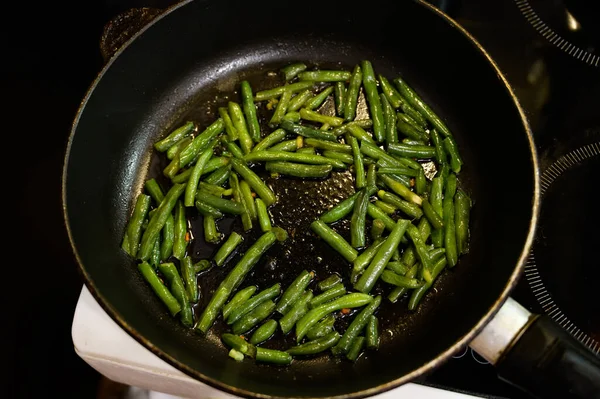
(379, 389)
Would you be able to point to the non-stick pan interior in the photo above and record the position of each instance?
(187, 62)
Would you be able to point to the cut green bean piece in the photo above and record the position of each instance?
(397, 171)
(299, 100)
(339, 93)
(401, 190)
(292, 70)
(397, 267)
(390, 92)
(189, 278)
(417, 294)
(264, 332)
(248, 199)
(236, 355)
(276, 137)
(168, 236)
(348, 301)
(372, 333)
(398, 292)
(329, 282)
(280, 109)
(153, 189)
(416, 126)
(340, 210)
(263, 191)
(358, 220)
(431, 215)
(211, 234)
(377, 229)
(273, 356)
(254, 317)
(202, 265)
(192, 183)
(296, 312)
(288, 145)
(155, 257)
(272, 155)
(372, 179)
(322, 328)
(440, 152)
(363, 123)
(352, 94)
(411, 151)
(228, 247)
(294, 291)
(316, 101)
(239, 298)
(240, 344)
(292, 116)
(232, 133)
(317, 346)
(451, 147)
(376, 213)
(233, 280)
(359, 168)
(219, 176)
(246, 307)
(373, 101)
(362, 261)
(264, 220)
(421, 183)
(328, 145)
(436, 253)
(307, 131)
(176, 148)
(239, 122)
(313, 116)
(339, 156)
(189, 153)
(299, 170)
(325, 76)
(134, 226)
(250, 110)
(421, 249)
(360, 133)
(400, 281)
(336, 291)
(389, 115)
(449, 222)
(174, 137)
(221, 204)
(159, 288)
(409, 130)
(357, 325)
(356, 348)
(233, 149)
(367, 281)
(387, 208)
(335, 240)
(278, 91)
(177, 288)
(462, 210)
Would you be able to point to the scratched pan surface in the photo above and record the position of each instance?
(184, 66)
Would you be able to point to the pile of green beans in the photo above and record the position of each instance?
(407, 223)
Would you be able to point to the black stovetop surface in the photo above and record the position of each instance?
(551, 60)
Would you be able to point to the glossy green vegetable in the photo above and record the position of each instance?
(325, 76)
(278, 91)
(351, 98)
(159, 289)
(250, 110)
(273, 155)
(264, 220)
(248, 306)
(373, 101)
(229, 128)
(240, 344)
(340, 210)
(281, 109)
(274, 356)
(261, 189)
(189, 278)
(276, 137)
(134, 226)
(294, 291)
(328, 295)
(336, 241)
(292, 70)
(169, 271)
(357, 325)
(355, 348)
(339, 95)
(239, 298)
(364, 259)
(316, 101)
(254, 317)
(372, 333)
(298, 169)
(462, 211)
(200, 142)
(227, 248)
(174, 137)
(295, 313)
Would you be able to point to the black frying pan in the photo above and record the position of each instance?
(183, 64)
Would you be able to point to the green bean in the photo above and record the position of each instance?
(352, 93)
(397, 267)
(377, 229)
(233, 280)
(288, 145)
(400, 281)
(401, 190)
(408, 141)
(440, 152)
(295, 313)
(362, 261)
(264, 220)
(189, 153)
(299, 170)
(134, 226)
(431, 215)
(157, 222)
(246, 192)
(368, 279)
(236, 355)
(390, 92)
(322, 328)
(421, 183)
(298, 101)
(359, 169)
(224, 205)
(373, 101)
(307, 131)
(168, 236)
(232, 133)
(212, 188)
(372, 179)
(261, 189)
(371, 150)
(176, 148)
(202, 265)
(234, 183)
(294, 291)
(409, 130)
(280, 109)
(247, 306)
(292, 70)
(334, 292)
(436, 197)
(414, 129)
(328, 145)
(462, 210)
(273, 356)
(400, 178)
(413, 98)
(219, 176)
(424, 229)
(339, 93)
(449, 221)
(189, 278)
(211, 234)
(436, 253)
(397, 171)
(329, 282)
(159, 288)
(359, 133)
(356, 327)
(339, 156)
(372, 333)
(278, 91)
(451, 147)
(317, 346)
(254, 317)
(177, 289)
(154, 190)
(335, 240)
(325, 76)
(362, 123)
(272, 139)
(240, 344)
(239, 122)
(313, 116)
(271, 155)
(316, 101)
(358, 220)
(192, 183)
(173, 167)
(174, 137)
(415, 115)
(227, 248)
(340, 210)
(155, 256)
(417, 294)
(385, 207)
(356, 348)
(391, 132)
(232, 149)
(421, 250)
(238, 299)
(291, 116)
(250, 111)
(376, 213)
(398, 292)
(411, 151)
(348, 301)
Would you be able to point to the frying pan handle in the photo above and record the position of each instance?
(535, 354)
(123, 27)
